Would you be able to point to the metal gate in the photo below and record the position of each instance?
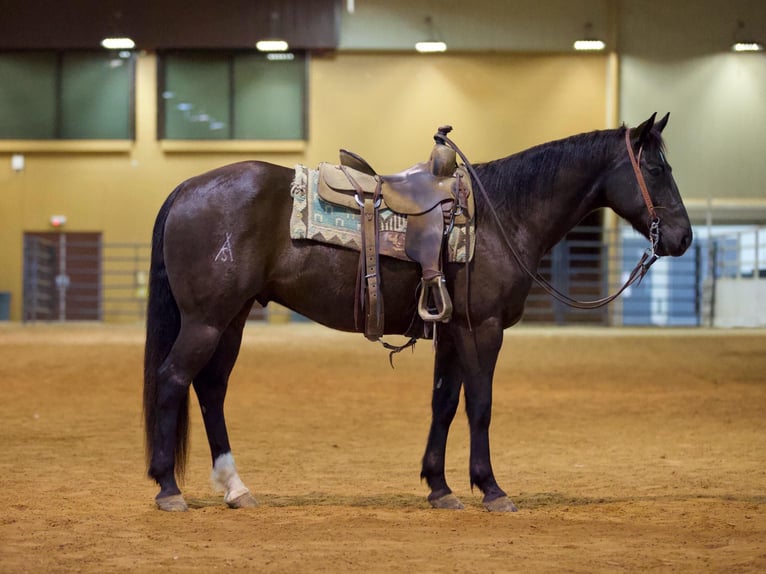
(125, 280)
(76, 277)
(40, 270)
(577, 266)
(62, 274)
(590, 263)
(734, 286)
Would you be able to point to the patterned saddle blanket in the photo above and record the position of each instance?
(315, 219)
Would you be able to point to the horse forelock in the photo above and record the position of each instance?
(655, 138)
(658, 141)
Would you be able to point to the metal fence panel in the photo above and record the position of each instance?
(39, 279)
(125, 280)
(588, 264)
(734, 289)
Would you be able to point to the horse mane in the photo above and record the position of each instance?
(524, 178)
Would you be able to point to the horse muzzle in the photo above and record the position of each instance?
(674, 244)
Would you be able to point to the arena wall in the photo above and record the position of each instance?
(385, 106)
(509, 80)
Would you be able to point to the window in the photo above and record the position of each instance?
(66, 95)
(232, 96)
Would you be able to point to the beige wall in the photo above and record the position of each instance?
(716, 135)
(674, 56)
(386, 107)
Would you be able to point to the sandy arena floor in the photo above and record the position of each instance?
(625, 451)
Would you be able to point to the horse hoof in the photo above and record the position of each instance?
(173, 503)
(246, 500)
(502, 504)
(447, 502)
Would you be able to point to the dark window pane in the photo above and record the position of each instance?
(268, 98)
(196, 97)
(95, 96)
(82, 95)
(232, 96)
(27, 95)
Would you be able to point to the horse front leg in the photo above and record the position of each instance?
(444, 402)
(478, 351)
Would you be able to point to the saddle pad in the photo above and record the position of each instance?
(314, 219)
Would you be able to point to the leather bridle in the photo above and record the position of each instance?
(639, 271)
(654, 220)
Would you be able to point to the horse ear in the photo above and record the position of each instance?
(640, 133)
(660, 125)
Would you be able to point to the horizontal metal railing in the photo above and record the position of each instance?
(588, 264)
(741, 254)
(125, 280)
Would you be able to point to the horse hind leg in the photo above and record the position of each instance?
(192, 349)
(211, 385)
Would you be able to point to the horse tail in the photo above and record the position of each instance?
(163, 323)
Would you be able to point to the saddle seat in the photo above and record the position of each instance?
(410, 192)
(432, 195)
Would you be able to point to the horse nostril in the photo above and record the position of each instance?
(686, 241)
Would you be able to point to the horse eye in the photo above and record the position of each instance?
(655, 170)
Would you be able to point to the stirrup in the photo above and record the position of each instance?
(438, 286)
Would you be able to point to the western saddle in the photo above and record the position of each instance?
(433, 195)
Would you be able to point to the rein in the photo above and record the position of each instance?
(639, 271)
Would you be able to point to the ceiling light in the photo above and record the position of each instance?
(589, 42)
(118, 43)
(273, 42)
(430, 46)
(747, 47)
(271, 45)
(589, 45)
(743, 42)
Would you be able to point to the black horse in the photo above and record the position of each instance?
(221, 241)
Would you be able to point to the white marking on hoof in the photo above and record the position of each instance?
(173, 503)
(502, 504)
(246, 500)
(447, 502)
(226, 479)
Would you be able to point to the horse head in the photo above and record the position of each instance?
(643, 158)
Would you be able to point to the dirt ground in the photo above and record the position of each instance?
(625, 450)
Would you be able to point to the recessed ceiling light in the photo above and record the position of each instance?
(747, 47)
(430, 47)
(271, 45)
(589, 45)
(118, 43)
